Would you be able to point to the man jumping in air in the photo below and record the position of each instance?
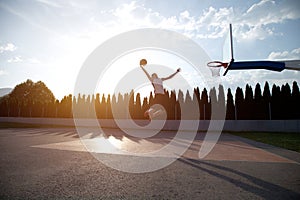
(157, 84)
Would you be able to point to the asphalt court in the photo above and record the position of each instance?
(52, 163)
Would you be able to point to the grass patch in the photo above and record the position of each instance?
(289, 141)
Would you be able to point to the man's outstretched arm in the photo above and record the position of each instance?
(172, 75)
(147, 74)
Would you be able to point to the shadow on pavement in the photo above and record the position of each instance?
(251, 184)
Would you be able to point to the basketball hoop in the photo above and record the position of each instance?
(215, 67)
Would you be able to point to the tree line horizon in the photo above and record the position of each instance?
(30, 99)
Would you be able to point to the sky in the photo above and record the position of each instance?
(50, 40)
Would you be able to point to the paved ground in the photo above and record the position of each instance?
(53, 164)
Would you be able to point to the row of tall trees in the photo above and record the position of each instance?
(31, 99)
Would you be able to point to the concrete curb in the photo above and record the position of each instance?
(229, 125)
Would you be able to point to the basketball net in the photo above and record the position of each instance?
(215, 71)
(215, 67)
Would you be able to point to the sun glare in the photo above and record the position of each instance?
(124, 73)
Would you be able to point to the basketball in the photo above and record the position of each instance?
(143, 62)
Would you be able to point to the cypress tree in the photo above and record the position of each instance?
(239, 104)
(230, 112)
(295, 101)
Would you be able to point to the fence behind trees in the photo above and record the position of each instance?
(277, 103)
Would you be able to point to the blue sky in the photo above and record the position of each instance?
(49, 40)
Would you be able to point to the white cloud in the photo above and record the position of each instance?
(285, 55)
(2, 72)
(254, 32)
(249, 24)
(254, 23)
(18, 59)
(268, 11)
(15, 59)
(7, 47)
(213, 17)
(209, 25)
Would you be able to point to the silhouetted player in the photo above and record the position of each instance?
(157, 84)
